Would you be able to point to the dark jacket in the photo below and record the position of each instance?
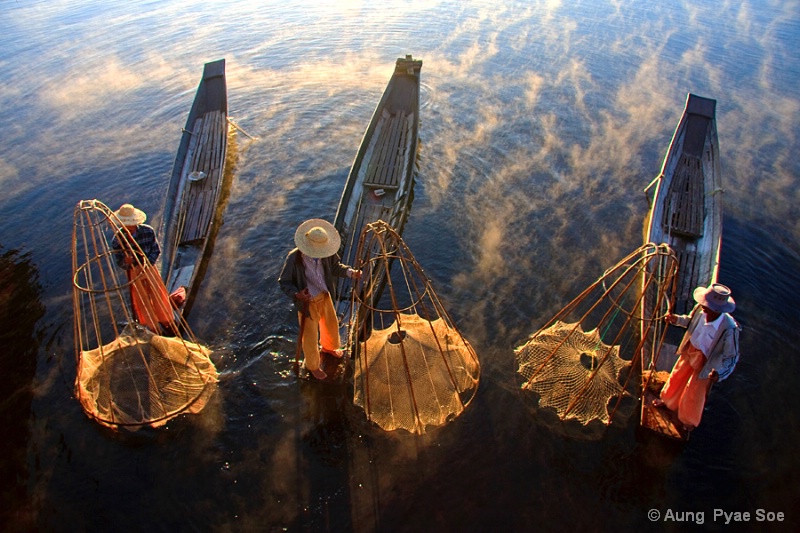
(145, 238)
(293, 275)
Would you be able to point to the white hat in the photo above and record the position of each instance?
(129, 215)
(317, 238)
(716, 297)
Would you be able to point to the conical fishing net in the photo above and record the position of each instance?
(139, 364)
(413, 368)
(579, 362)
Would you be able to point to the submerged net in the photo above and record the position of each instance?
(579, 362)
(129, 373)
(141, 378)
(412, 373)
(413, 368)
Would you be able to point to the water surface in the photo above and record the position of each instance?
(541, 124)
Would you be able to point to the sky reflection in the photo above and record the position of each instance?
(570, 111)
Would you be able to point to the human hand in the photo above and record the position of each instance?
(713, 376)
(671, 318)
(303, 295)
(356, 274)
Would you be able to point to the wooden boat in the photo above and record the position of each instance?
(381, 180)
(686, 214)
(191, 209)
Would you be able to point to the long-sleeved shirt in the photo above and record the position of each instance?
(315, 275)
(144, 236)
(705, 333)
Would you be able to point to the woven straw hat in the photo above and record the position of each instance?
(716, 297)
(317, 238)
(129, 215)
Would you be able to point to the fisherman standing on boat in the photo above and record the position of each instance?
(308, 277)
(149, 297)
(708, 353)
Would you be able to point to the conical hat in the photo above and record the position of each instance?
(317, 238)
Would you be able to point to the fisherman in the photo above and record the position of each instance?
(308, 277)
(149, 297)
(708, 353)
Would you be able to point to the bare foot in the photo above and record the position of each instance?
(335, 353)
(319, 373)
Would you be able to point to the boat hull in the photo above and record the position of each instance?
(192, 204)
(686, 214)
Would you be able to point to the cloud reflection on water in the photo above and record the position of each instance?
(539, 113)
(526, 124)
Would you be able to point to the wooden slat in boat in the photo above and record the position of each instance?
(202, 195)
(383, 169)
(685, 199)
(387, 167)
(379, 156)
(401, 159)
(661, 419)
(687, 263)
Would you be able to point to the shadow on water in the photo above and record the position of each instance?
(323, 443)
(20, 338)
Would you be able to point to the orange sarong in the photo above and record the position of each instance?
(149, 297)
(684, 392)
(322, 327)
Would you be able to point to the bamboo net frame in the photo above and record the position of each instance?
(127, 374)
(413, 368)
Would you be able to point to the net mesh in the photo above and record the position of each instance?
(129, 375)
(412, 374)
(141, 378)
(562, 361)
(413, 367)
